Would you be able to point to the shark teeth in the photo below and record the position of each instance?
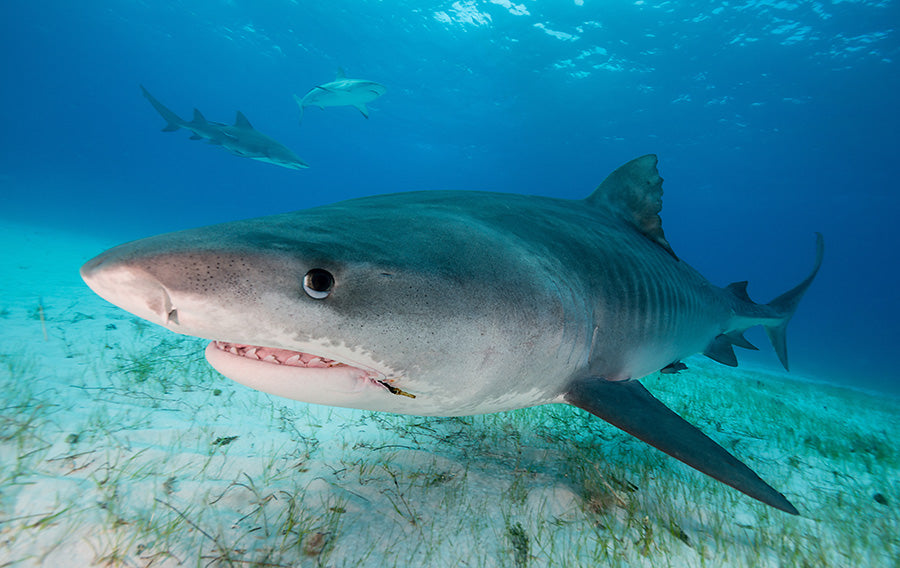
(279, 356)
(290, 358)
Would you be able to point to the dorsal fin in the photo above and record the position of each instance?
(241, 121)
(633, 192)
(340, 74)
(739, 291)
(198, 117)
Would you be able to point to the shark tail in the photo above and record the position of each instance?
(173, 121)
(630, 407)
(299, 102)
(774, 317)
(786, 304)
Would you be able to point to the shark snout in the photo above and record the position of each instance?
(130, 287)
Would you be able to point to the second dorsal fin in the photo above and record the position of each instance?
(633, 192)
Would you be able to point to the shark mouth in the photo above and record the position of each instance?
(280, 356)
(291, 374)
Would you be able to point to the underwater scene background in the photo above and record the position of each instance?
(772, 120)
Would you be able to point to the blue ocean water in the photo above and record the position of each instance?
(772, 120)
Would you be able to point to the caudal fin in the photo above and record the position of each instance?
(786, 304)
(172, 119)
(299, 102)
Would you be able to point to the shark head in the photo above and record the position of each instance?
(281, 156)
(344, 92)
(358, 304)
(366, 89)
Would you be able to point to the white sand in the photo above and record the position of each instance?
(120, 447)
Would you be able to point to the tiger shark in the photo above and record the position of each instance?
(450, 303)
(241, 139)
(342, 92)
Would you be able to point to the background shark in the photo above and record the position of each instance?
(453, 303)
(241, 139)
(342, 92)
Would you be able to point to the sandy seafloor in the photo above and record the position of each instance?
(119, 446)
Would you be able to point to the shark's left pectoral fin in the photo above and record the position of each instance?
(362, 108)
(631, 407)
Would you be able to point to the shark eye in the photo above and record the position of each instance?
(318, 283)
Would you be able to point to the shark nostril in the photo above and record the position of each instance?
(87, 269)
(167, 309)
(90, 269)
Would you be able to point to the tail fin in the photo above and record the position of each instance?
(786, 304)
(172, 119)
(299, 102)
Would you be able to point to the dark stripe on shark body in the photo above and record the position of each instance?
(647, 291)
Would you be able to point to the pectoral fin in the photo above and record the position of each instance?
(631, 407)
(673, 368)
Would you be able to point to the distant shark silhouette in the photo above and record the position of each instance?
(241, 139)
(342, 92)
(452, 303)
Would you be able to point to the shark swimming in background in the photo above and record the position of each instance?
(342, 92)
(241, 139)
(451, 303)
